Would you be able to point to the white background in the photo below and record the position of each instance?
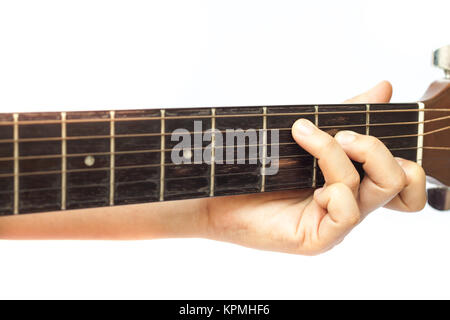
(57, 55)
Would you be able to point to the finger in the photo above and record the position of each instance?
(381, 93)
(342, 212)
(384, 177)
(413, 197)
(332, 160)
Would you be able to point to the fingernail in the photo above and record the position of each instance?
(400, 161)
(304, 127)
(345, 137)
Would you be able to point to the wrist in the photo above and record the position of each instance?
(182, 218)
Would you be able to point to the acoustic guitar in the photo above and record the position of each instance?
(71, 160)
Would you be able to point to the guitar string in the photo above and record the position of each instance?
(399, 136)
(252, 115)
(56, 156)
(206, 175)
(118, 119)
(159, 134)
(108, 168)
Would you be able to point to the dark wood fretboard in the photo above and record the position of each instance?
(70, 160)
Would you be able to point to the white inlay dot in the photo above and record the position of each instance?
(89, 161)
(187, 153)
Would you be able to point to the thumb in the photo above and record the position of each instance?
(381, 93)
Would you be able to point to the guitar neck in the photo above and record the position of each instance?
(72, 160)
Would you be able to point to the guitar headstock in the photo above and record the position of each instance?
(436, 139)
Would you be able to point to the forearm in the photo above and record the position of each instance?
(185, 218)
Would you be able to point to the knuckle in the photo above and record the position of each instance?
(326, 146)
(417, 206)
(398, 183)
(418, 203)
(329, 143)
(415, 171)
(338, 189)
(421, 172)
(421, 204)
(354, 218)
(315, 251)
(353, 181)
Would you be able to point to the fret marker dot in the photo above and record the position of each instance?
(187, 154)
(89, 161)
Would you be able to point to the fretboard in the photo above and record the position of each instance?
(72, 160)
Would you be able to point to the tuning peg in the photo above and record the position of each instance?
(439, 198)
(441, 59)
(438, 194)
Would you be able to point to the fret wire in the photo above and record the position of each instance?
(168, 150)
(222, 131)
(63, 162)
(53, 156)
(416, 135)
(288, 157)
(112, 152)
(433, 148)
(213, 153)
(367, 119)
(137, 181)
(263, 170)
(162, 164)
(314, 173)
(28, 122)
(112, 149)
(420, 133)
(172, 164)
(16, 163)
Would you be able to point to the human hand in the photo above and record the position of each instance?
(310, 222)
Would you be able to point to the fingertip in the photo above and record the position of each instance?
(382, 92)
(405, 164)
(345, 137)
(302, 127)
(412, 170)
(385, 85)
(400, 161)
(321, 197)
